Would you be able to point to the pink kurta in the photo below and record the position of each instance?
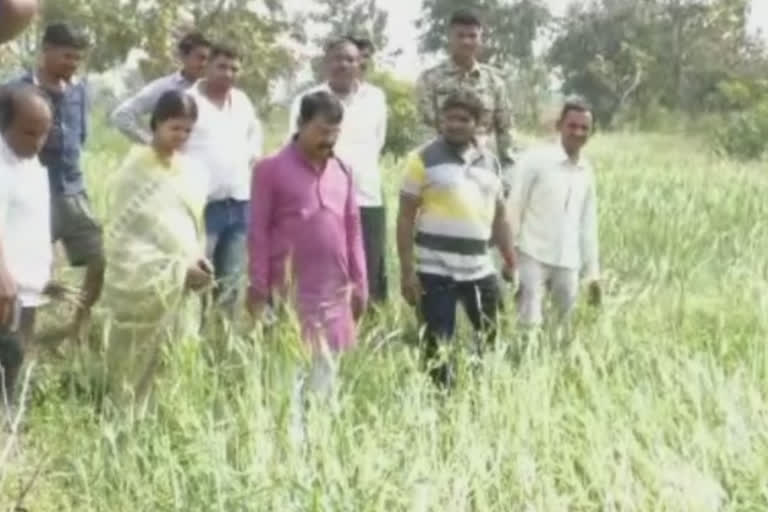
(305, 231)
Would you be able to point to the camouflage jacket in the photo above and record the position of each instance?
(496, 130)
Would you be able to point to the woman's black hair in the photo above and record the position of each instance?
(173, 105)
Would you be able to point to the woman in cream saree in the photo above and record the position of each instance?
(154, 245)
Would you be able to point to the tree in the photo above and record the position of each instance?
(352, 17)
(598, 54)
(261, 31)
(670, 53)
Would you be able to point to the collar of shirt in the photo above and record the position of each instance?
(455, 69)
(358, 90)
(181, 80)
(559, 154)
(298, 155)
(468, 155)
(197, 88)
(34, 79)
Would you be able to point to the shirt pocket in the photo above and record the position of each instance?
(334, 194)
(550, 192)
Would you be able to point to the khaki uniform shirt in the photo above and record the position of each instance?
(496, 130)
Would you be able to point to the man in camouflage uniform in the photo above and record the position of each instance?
(462, 71)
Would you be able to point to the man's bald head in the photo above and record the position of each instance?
(25, 119)
(15, 15)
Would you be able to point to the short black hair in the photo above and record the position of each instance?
(219, 50)
(336, 42)
(64, 35)
(574, 104)
(465, 17)
(173, 105)
(11, 96)
(465, 100)
(191, 41)
(320, 104)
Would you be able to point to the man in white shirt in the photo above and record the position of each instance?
(553, 208)
(26, 255)
(129, 116)
(359, 146)
(226, 141)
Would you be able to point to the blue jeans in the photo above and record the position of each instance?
(226, 226)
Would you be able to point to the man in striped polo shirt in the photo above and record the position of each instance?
(451, 206)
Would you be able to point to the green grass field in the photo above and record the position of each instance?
(660, 403)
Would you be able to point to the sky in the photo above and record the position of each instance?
(403, 35)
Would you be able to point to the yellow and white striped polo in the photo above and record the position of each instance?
(458, 192)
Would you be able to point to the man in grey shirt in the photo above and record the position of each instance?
(194, 50)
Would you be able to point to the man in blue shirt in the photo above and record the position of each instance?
(71, 220)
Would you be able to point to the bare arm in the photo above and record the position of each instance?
(406, 222)
(15, 15)
(502, 235)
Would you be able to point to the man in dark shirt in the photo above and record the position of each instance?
(71, 220)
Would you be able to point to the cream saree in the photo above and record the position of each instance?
(155, 233)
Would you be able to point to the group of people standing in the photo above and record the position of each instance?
(197, 206)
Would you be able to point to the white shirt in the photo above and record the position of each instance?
(363, 132)
(25, 223)
(225, 142)
(553, 210)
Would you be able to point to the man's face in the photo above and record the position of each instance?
(28, 132)
(465, 41)
(62, 61)
(195, 61)
(223, 71)
(575, 129)
(319, 136)
(458, 126)
(343, 64)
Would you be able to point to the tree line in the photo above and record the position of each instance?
(633, 60)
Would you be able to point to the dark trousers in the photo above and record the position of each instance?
(12, 348)
(481, 300)
(374, 225)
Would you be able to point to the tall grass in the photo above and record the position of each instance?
(660, 402)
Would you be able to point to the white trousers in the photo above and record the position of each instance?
(536, 279)
(315, 382)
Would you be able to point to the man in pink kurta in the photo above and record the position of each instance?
(304, 237)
